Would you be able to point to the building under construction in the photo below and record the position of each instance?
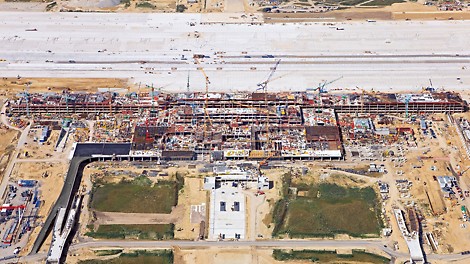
(368, 103)
(285, 125)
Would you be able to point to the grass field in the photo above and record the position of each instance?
(137, 257)
(352, 2)
(357, 256)
(147, 232)
(383, 2)
(137, 196)
(328, 210)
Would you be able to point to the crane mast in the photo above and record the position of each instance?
(264, 86)
(206, 98)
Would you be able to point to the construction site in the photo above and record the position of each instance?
(256, 125)
(232, 149)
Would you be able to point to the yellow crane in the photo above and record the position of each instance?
(207, 118)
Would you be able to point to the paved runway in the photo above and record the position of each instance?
(158, 49)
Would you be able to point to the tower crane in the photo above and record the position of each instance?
(264, 86)
(321, 87)
(407, 101)
(26, 93)
(67, 97)
(206, 115)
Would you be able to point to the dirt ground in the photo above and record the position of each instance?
(442, 216)
(50, 188)
(39, 151)
(85, 254)
(113, 218)
(7, 145)
(226, 256)
(192, 194)
(206, 256)
(231, 256)
(264, 226)
(399, 11)
(11, 86)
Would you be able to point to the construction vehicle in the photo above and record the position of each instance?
(265, 161)
(430, 88)
(12, 207)
(462, 172)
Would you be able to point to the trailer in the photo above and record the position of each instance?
(27, 183)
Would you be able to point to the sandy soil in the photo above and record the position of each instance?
(49, 190)
(445, 226)
(192, 194)
(399, 11)
(7, 145)
(227, 256)
(113, 218)
(230, 256)
(12, 86)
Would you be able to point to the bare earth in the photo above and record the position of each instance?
(14, 85)
(113, 218)
(400, 11)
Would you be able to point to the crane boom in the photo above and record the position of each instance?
(206, 114)
(321, 88)
(263, 85)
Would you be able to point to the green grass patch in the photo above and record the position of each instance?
(383, 2)
(325, 256)
(352, 2)
(181, 8)
(137, 257)
(145, 232)
(137, 196)
(302, 4)
(50, 6)
(144, 5)
(109, 252)
(327, 210)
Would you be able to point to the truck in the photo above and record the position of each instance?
(27, 183)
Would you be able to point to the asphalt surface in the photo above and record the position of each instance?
(90, 149)
(354, 244)
(69, 188)
(158, 49)
(82, 156)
